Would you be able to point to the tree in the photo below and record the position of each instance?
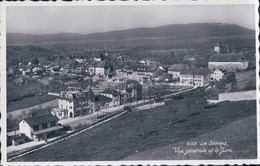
(102, 57)
(49, 58)
(141, 117)
(234, 85)
(35, 61)
(211, 84)
(200, 95)
(231, 78)
(172, 110)
(187, 103)
(15, 62)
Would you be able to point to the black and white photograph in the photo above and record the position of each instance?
(131, 83)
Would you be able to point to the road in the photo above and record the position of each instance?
(89, 119)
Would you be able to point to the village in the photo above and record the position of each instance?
(90, 89)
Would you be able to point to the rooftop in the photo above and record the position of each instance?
(110, 91)
(196, 71)
(178, 67)
(36, 120)
(226, 58)
(47, 130)
(101, 98)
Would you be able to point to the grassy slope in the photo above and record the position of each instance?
(240, 136)
(119, 138)
(29, 102)
(246, 78)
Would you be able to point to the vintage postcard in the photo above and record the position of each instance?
(129, 82)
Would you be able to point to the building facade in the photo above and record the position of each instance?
(195, 77)
(75, 103)
(175, 70)
(227, 59)
(113, 94)
(216, 75)
(39, 127)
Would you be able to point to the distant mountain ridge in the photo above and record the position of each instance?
(175, 31)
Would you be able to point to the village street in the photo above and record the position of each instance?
(89, 119)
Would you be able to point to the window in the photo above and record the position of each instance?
(53, 123)
(70, 107)
(60, 114)
(35, 128)
(44, 125)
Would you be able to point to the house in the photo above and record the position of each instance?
(151, 70)
(130, 91)
(102, 102)
(157, 72)
(74, 103)
(26, 71)
(101, 68)
(165, 77)
(80, 60)
(137, 71)
(227, 62)
(175, 70)
(10, 71)
(113, 94)
(35, 70)
(217, 75)
(16, 139)
(195, 77)
(142, 62)
(227, 59)
(39, 127)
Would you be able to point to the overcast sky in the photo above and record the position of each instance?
(89, 19)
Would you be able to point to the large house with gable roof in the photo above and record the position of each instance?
(227, 59)
(195, 77)
(39, 127)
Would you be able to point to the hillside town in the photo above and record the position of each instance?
(86, 87)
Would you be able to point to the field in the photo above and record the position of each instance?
(246, 80)
(121, 137)
(241, 140)
(29, 102)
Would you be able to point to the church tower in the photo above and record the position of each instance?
(218, 48)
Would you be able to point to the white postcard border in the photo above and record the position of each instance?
(5, 4)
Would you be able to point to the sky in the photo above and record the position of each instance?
(93, 19)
